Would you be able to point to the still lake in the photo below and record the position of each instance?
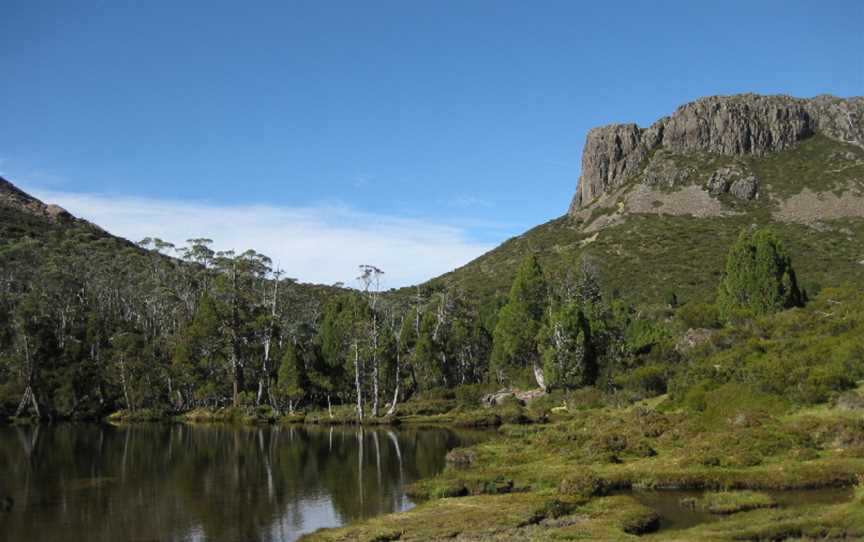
(181, 482)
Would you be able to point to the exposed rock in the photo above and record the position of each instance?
(725, 125)
(693, 337)
(500, 396)
(745, 188)
(612, 153)
(850, 401)
(733, 180)
(720, 181)
(663, 172)
(689, 200)
(736, 125)
(461, 458)
(526, 396)
(14, 198)
(809, 207)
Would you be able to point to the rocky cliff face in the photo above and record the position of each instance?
(723, 125)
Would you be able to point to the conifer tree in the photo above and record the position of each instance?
(515, 337)
(565, 341)
(759, 277)
(291, 380)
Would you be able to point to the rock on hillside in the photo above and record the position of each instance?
(13, 197)
(745, 124)
(18, 201)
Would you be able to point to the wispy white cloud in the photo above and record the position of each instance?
(322, 244)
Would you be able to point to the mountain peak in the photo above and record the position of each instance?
(737, 125)
(15, 198)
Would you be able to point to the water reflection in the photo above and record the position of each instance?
(178, 482)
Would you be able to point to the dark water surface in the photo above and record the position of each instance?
(193, 483)
(674, 514)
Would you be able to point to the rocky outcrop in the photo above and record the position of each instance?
(735, 181)
(616, 152)
(12, 196)
(724, 125)
(501, 396)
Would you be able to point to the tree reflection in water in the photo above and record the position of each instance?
(217, 482)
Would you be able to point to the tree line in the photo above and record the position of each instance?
(90, 327)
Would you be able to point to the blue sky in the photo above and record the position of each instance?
(422, 131)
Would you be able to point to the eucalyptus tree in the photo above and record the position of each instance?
(370, 280)
(468, 341)
(360, 317)
(237, 283)
(268, 325)
(27, 318)
(396, 329)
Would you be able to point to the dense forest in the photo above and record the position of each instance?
(89, 330)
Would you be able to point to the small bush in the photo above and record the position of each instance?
(436, 394)
(640, 520)
(553, 509)
(645, 381)
(698, 316)
(472, 394)
(498, 486)
(584, 483)
(825, 382)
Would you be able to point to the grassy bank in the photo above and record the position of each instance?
(563, 479)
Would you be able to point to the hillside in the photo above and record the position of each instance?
(78, 305)
(159, 328)
(657, 208)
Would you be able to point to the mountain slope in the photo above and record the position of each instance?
(657, 208)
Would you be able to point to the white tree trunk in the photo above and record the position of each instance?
(357, 381)
(392, 409)
(538, 375)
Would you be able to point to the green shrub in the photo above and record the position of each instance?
(425, 407)
(698, 316)
(824, 383)
(645, 381)
(639, 520)
(472, 394)
(583, 483)
(436, 394)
